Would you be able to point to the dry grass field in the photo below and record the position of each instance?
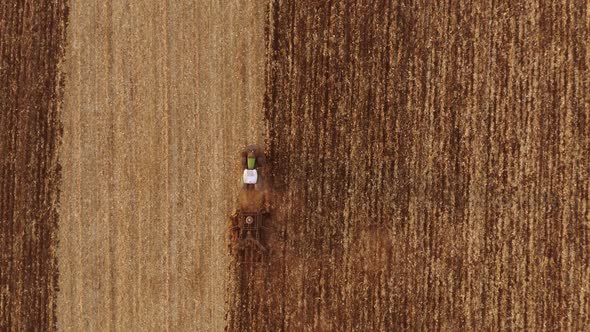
(159, 101)
(429, 164)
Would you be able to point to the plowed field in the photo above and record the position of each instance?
(432, 168)
(31, 45)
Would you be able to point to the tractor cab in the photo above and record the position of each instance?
(250, 174)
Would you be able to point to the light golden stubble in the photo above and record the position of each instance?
(160, 97)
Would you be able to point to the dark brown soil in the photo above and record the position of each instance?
(31, 41)
(431, 168)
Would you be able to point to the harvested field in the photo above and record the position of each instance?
(160, 99)
(31, 43)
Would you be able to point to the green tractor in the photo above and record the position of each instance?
(247, 236)
(252, 161)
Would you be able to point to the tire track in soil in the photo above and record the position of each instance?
(431, 168)
(31, 47)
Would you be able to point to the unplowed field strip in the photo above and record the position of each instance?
(431, 166)
(160, 99)
(32, 35)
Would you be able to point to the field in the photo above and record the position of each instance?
(431, 165)
(429, 162)
(31, 39)
(160, 99)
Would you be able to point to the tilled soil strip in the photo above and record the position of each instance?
(32, 35)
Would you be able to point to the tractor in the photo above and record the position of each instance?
(247, 240)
